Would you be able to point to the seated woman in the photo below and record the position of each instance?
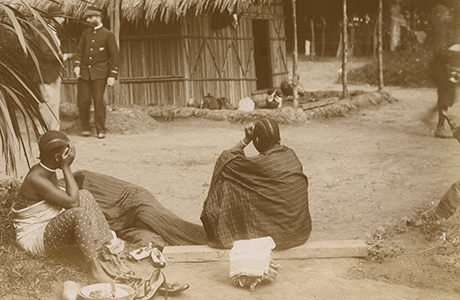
(264, 195)
(49, 220)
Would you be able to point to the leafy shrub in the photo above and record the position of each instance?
(406, 68)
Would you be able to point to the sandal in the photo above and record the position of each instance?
(141, 253)
(158, 259)
(152, 285)
(173, 289)
(139, 289)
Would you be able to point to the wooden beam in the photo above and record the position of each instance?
(319, 103)
(324, 249)
(311, 249)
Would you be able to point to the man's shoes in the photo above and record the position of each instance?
(442, 133)
(101, 135)
(85, 133)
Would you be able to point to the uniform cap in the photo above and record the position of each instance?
(93, 11)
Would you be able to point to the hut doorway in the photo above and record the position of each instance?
(262, 58)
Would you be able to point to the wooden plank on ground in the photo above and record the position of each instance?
(319, 103)
(324, 249)
(311, 249)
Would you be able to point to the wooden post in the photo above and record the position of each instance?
(323, 36)
(344, 50)
(116, 24)
(110, 14)
(114, 13)
(295, 57)
(379, 45)
(313, 38)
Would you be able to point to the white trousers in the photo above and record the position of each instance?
(49, 109)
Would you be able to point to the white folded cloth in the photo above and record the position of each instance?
(251, 257)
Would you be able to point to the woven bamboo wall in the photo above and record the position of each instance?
(219, 62)
(170, 63)
(151, 71)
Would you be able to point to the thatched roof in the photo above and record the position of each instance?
(136, 10)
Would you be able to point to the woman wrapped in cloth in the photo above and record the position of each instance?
(50, 220)
(258, 203)
(253, 197)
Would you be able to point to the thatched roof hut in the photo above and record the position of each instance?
(175, 50)
(135, 10)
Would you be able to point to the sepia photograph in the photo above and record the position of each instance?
(230, 149)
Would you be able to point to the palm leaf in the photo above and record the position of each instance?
(14, 21)
(20, 118)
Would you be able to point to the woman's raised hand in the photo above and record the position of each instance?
(249, 133)
(68, 155)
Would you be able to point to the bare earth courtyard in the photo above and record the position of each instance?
(365, 170)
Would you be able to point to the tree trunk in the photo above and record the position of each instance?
(380, 50)
(323, 37)
(344, 50)
(375, 38)
(295, 57)
(114, 8)
(313, 44)
(339, 47)
(395, 27)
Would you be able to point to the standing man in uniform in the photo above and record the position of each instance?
(51, 65)
(96, 65)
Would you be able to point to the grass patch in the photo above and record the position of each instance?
(348, 105)
(25, 275)
(408, 68)
(442, 236)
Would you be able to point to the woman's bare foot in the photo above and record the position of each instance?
(98, 273)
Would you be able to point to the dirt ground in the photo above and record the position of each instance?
(365, 170)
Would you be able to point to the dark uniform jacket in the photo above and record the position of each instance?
(49, 60)
(97, 54)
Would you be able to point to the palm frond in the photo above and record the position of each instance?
(20, 119)
(15, 22)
